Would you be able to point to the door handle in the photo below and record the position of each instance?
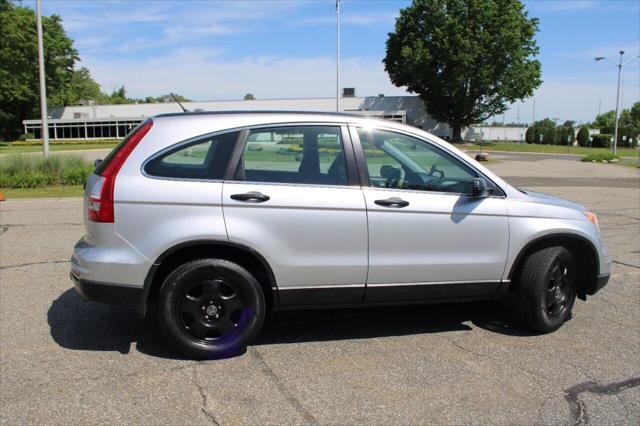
(251, 197)
(392, 202)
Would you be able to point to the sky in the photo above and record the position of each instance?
(219, 50)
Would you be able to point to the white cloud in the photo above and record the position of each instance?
(200, 76)
(350, 19)
(74, 22)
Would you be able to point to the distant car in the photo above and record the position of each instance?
(221, 217)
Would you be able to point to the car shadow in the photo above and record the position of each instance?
(87, 326)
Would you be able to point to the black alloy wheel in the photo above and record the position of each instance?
(546, 289)
(559, 291)
(211, 308)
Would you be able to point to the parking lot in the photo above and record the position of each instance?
(65, 360)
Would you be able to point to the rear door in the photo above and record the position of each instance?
(427, 237)
(293, 196)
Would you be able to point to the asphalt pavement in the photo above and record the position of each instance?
(64, 360)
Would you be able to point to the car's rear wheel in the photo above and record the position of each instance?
(210, 308)
(546, 289)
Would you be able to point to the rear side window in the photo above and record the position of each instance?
(206, 158)
(298, 155)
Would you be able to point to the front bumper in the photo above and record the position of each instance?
(113, 294)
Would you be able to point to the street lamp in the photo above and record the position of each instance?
(619, 64)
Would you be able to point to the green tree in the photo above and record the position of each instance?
(634, 114)
(19, 90)
(466, 59)
(249, 97)
(530, 135)
(630, 117)
(81, 86)
(119, 96)
(543, 131)
(583, 136)
(565, 134)
(606, 119)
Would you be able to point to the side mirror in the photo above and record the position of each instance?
(479, 188)
(386, 170)
(97, 162)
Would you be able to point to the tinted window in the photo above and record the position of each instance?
(203, 159)
(306, 154)
(398, 161)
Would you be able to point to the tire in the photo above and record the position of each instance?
(210, 309)
(546, 289)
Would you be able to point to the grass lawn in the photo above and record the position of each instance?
(51, 191)
(9, 149)
(552, 149)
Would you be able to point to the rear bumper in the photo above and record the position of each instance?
(113, 294)
(601, 281)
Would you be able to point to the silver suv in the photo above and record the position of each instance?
(220, 217)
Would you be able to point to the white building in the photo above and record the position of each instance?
(90, 121)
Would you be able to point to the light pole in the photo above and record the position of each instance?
(619, 65)
(337, 55)
(44, 132)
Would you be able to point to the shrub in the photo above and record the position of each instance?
(26, 136)
(328, 151)
(374, 153)
(22, 142)
(628, 136)
(15, 163)
(27, 180)
(29, 171)
(530, 136)
(5, 181)
(583, 136)
(601, 157)
(602, 140)
(76, 175)
(566, 135)
(543, 131)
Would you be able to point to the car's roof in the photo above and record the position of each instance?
(272, 112)
(268, 116)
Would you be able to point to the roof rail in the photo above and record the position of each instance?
(176, 114)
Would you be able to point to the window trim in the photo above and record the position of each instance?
(347, 150)
(364, 171)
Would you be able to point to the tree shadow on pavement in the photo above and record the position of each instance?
(82, 325)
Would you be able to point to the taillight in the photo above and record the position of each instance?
(100, 203)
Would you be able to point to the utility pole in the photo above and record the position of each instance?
(619, 65)
(534, 112)
(43, 90)
(337, 55)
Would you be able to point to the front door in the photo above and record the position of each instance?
(427, 237)
(292, 200)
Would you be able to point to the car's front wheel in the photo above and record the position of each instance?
(546, 289)
(210, 308)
